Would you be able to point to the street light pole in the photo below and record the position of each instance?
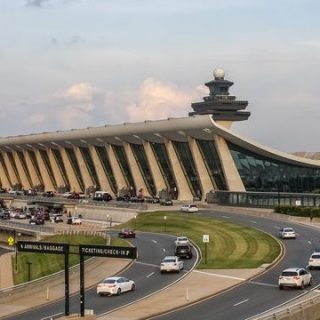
(165, 223)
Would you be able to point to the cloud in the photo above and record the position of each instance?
(35, 119)
(36, 3)
(159, 100)
(80, 92)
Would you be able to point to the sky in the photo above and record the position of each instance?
(83, 63)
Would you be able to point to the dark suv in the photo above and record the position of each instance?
(183, 251)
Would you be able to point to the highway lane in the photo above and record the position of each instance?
(144, 271)
(262, 293)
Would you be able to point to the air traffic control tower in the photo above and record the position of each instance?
(224, 108)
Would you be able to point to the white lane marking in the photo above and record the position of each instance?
(154, 241)
(252, 221)
(220, 275)
(264, 284)
(147, 264)
(52, 316)
(150, 274)
(243, 301)
(164, 250)
(225, 217)
(309, 242)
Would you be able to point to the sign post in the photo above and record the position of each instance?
(205, 239)
(100, 251)
(51, 248)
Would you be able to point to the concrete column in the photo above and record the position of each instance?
(72, 177)
(103, 180)
(33, 172)
(184, 192)
(233, 179)
(48, 185)
(13, 178)
(87, 179)
(55, 169)
(118, 175)
(5, 182)
(135, 170)
(204, 176)
(21, 171)
(158, 179)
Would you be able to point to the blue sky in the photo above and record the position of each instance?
(80, 63)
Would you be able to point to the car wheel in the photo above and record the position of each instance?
(133, 287)
(302, 285)
(310, 282)
(281, 287)
(118, 292)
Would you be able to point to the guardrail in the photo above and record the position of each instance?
(24, 226)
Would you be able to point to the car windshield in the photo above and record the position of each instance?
(288, 229)
(289, 273)
(182, 247)
(315, 256)
(182, 239)
(109, 281)
(169, 260)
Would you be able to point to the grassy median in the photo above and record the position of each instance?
(230, 245)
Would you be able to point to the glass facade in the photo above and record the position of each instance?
(46, 161)
(211, 159)
(259, 173)
(75, 166)
(90, 166)
(186, 160)
(161, 155)
(123, 162)
(5, 168)
(102, 154)
(24, 166)
(142, 161)
(60, 163)
(35, 165)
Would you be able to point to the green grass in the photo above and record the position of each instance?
(230, 246)
(43, 264)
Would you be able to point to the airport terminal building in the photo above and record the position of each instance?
(186, 158)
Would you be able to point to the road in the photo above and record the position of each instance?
(145, 272)
(261, 293)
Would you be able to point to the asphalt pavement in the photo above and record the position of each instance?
(195, 286)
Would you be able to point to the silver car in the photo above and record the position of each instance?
(287, 233)
(171, 264)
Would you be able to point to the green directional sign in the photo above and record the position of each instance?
(108, 251)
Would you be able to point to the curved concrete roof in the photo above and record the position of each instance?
(178, 129)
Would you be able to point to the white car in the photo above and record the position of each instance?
(171, 264)
(181, 241)
(287, 233)
(115, 286)
(314, 260)
(189, 208)
(295, 277)
(76, 220)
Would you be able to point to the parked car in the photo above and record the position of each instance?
(182, 240)
(20, 215)
(102, 196)
(74, 220)
(189, 208)
(123, 198)
(73, 195)
(127, 233)
(48, 194)
(5, 215)
(166, 202)
(314, 260)
(287, 233)
(183, 251)
(115, 286)
(295, 277)
(36, 220)
(171, 264)
(57, 219)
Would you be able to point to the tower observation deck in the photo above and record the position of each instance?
(219, 103)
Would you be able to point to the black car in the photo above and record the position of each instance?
(166, 202)
(183, 251)
(5, 215)
(127, 233)
(36, 220)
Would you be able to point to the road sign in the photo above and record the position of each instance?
(43, 247)
(108, 251)
(11, 241)
(205, 238)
